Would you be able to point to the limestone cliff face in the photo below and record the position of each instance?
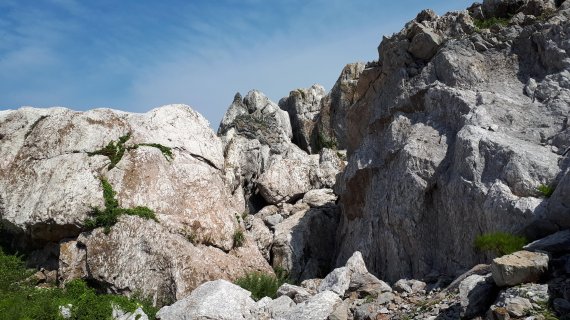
(454, 129)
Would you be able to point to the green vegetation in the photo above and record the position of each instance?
(545, 190)
(261, 284)
(325, 142)
(239, 238)
(115, 150)
(166, 151)
(109, 216)
(20, 299)
(500, 243)
(546, 312)
(487, 23)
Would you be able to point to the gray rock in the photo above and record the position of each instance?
(519, 267)
(303, 107)
(332, 121)
(268, 308)
(476, 293)
(366, 284)
(437, 147)
(520, 300)
(212, 300)
(261, 234)
(318, 307)
(556, 243)
(319, 197)
(298, 294)
(65, 311)
(273, 220)
(337, 281)
(561, 306)
(424, 45)
(142, 256)
(402, 286)
(304, 243)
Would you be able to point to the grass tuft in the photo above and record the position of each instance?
(239, 238)
(261, 284)
(545, 190)
(488, 23)
(500, 243)
(166, 151)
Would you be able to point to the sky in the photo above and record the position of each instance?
(135, 55)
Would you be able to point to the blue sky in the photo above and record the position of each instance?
(135, 55)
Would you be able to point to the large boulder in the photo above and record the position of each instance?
(50, 171)
(212, 300)
(519, 267)
(59, 167)
(444, 149)
(476, 293)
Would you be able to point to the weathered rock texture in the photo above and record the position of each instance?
(454, 130)
(50, 181)
(262, 160)
(303, 107)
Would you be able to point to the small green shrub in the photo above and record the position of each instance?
(545, 190)
(166, 151)
(19, 299)
(260, 284)
(239, 238)
(109, 216)
(325, 142)
(500, 243)
(487, 23)
(114, 150)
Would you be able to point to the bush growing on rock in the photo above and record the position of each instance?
(500, 243)
(107, 217)
(261, 284)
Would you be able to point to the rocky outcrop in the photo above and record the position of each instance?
(304, 107)
(454, 130)
(262, 160)
(58, 165)
(331, 129)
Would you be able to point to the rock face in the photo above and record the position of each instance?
(444, 144)
(304, 242)
(332, 121)
(52, 165)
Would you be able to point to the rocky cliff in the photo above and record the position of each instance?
(455, 128)
(460, 128)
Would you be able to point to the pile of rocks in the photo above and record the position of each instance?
(529, 284)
